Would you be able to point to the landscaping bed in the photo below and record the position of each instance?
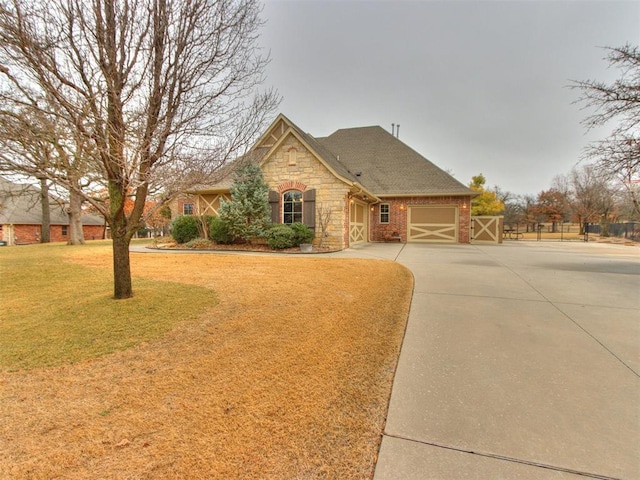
(201, 244)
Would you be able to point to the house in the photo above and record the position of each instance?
(356, 185)
(21, 217)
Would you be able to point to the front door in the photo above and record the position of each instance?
(357, 222)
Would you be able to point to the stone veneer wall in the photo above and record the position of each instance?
(307, 173)
(398, 216)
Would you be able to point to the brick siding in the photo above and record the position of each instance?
(26, 234)
(399, 207)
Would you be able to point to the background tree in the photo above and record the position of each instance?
(248, 214)
(515, 210)
(34, 143)
(551, 206)
(159, 90)
(592, 195)
(619, 102)
(487, 202)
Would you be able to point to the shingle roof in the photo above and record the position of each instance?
(223, 179)
(20, 205)
(371, 156)
(387, 166)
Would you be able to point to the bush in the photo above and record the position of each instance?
(301, 233)
(219, 231)
(185, 228)
(280, 236)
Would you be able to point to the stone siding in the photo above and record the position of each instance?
(292, 167)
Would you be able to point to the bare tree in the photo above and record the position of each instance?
(324, 215)
(35, 145)
(162, 91)
(618, 102)
(591, 196)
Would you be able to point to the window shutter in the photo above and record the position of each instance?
(309, 208)
(274, 203)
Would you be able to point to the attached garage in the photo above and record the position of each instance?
(432, 224)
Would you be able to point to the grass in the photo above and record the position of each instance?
(56, 312)
(275, 367)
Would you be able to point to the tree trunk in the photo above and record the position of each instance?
(45, 234)
(122, 287)
(76, 234)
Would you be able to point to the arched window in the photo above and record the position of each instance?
(291, 207)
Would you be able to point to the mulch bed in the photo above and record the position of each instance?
(239, 247)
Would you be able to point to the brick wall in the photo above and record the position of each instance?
(399, 206)
(24, 234)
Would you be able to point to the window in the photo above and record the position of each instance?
(384, 213)
(187, 209)
(64, 230)
(291, 207)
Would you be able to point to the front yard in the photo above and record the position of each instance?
(222, 366)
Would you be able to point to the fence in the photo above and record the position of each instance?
(567, 232)
(628, 230)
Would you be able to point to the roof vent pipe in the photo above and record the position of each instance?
(393, 129)
(398, 131)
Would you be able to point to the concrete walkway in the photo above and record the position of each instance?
(520, 361)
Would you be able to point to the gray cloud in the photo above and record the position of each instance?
(476, 86)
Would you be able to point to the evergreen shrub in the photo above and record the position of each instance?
(185, 228)
(280, 237)
(301, 233)
(219, 231)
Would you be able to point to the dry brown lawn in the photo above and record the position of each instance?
(288, 376)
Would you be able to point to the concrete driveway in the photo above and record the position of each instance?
(520, 361)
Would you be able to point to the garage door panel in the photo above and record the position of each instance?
(433, 215)
(433, 224)
(431, 233)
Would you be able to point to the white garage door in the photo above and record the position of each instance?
(433, 224)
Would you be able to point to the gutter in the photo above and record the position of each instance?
(443, 194)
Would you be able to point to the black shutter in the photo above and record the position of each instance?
(274, 203)
(309, 208)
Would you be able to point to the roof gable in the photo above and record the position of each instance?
(369, 158)
(282, 127)
(274, 132)
(317, 150)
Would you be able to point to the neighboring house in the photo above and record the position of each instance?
(372, 186)
(21, 217)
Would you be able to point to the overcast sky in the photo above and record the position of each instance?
(476, 86)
